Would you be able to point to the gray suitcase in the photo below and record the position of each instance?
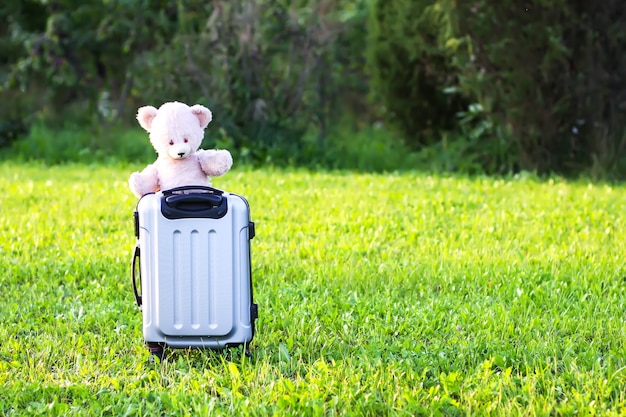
(193, 253)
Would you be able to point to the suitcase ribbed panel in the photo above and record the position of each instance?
(195, 281)
(196, 289)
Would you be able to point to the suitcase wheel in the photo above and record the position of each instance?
(156, 351)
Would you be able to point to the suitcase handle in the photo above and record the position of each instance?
(173, 191)
(191, 201)
(207, 203)
(134, 269)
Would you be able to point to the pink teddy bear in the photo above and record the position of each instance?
(176, 132)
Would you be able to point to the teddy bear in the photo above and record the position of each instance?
(176, 131)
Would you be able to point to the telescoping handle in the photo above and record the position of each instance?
(136, 256)
(193, 202)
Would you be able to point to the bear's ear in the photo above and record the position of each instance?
(145, 115)
(203, 114)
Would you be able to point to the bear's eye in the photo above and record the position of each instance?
(171, 142)
(186, 140)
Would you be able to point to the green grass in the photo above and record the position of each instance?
(379, 294)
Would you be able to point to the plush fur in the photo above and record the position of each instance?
(176, 132)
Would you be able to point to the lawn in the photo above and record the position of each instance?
(379, 294)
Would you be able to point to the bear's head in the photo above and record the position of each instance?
(176, 129)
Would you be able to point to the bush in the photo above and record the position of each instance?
(17, 113)
(72, 143)
(551, 75)
(270, 71)
(411, 60)
(535, 86)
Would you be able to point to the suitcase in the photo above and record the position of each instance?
(195, 284)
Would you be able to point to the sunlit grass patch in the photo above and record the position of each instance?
(378, 294)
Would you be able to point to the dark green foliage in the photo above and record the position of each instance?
(11, 129)
(270, 70)
(488, 84)
(76, 55)
(15, 108)
(551, 75)
(15, 117)
(412, 66)
(545, 79)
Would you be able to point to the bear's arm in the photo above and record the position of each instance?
(144, 182)
(215, 162)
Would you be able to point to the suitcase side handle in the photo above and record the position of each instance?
(136, 256)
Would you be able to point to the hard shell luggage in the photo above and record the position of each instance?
(193, 254)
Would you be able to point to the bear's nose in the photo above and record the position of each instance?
(181, 154)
